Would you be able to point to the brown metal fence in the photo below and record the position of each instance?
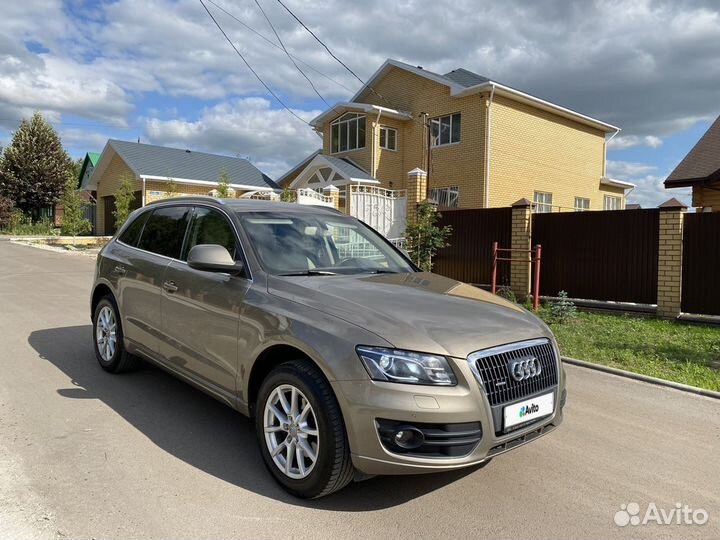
(701, 264)
(610, 255)
(468, 258)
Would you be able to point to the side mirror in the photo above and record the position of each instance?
(212, 258)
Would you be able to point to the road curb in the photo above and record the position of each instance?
(643, 378)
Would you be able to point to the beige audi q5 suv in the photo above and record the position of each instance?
(350, 360)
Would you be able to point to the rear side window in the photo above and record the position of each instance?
(165, 230)
(210, 227)
(131, 235)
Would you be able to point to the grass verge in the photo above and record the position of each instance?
(676, 351)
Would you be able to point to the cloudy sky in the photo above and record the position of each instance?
(159, 70)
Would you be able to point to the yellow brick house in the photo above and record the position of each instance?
(151, 167)
(484, 144)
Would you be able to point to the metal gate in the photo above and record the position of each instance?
(701, 264)
(610, 255)
(384, 210)
(468, 256)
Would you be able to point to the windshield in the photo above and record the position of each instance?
(307, 244)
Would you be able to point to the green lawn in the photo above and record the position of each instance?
(676, 351)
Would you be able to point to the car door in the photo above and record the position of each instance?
(137, 277)
(201, 309)
(141, 290)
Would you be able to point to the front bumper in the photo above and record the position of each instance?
(363, 402)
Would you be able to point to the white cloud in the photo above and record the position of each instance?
(650, 191)
(628, 141)
(247, 127)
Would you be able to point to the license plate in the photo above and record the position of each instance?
(528, 410)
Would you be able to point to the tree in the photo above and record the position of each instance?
(124, 197)
(424, 237)
(35, 166)
(223, 187)
(75, 168)
(171, 189)
(288, 195)
(74, 222)
(7, 207)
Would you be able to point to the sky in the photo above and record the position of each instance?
(160, 70)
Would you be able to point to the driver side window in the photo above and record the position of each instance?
(210, 227)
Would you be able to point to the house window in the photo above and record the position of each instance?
(348, 132)
(445, 129)
(447, 197)
(611, 203)
(388, 138)
(543, 202)
(582, 204)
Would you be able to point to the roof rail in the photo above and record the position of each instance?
(188, 198)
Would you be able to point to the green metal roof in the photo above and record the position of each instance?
(93, 157)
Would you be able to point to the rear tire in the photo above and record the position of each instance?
(108, 338)
(297, 415)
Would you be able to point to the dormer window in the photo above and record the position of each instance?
(348, 133)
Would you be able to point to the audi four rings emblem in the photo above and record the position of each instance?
(526, 368)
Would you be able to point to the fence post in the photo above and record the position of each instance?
(521, 239)
(416, 192)
(669, 293)
(334, 193)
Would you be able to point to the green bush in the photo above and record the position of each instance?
(74, 222)
(21, 224)
(506, 292)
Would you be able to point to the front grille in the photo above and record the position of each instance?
(492, 367)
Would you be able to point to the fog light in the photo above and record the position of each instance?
(408, 438)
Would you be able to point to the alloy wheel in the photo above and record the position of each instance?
(106, 333)
(291, 431)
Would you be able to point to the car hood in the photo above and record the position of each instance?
(415, 311)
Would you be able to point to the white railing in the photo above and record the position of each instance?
(310, 196)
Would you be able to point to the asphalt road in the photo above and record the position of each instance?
(87, 454)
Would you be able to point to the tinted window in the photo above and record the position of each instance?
(210, 227)
(131, 235)
(164, 231)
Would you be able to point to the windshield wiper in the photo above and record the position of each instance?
(309, 273)
(381, 271)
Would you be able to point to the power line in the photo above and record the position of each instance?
(343, 64)
(250, 67)
(290, 56)
(271, 42)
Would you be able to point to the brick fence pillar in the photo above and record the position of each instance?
(416, 192)
(521, 238)
(334, 193)
(347, 199)
(670, 240)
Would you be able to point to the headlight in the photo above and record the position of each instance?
(406, 367)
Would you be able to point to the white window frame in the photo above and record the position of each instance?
(445, 197)
(584, 205)
(612, 202)
(542, 202)
(386, 130)
(436, 123)
(343, 122)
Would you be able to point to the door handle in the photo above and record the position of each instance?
(170, 286)
(121, 270)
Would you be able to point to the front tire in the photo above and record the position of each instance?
(301, 431)
(108, 338)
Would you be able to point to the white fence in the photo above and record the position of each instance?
(384, 210)
(310, 196)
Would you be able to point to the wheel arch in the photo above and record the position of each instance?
(269, 359)
(101, 289)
